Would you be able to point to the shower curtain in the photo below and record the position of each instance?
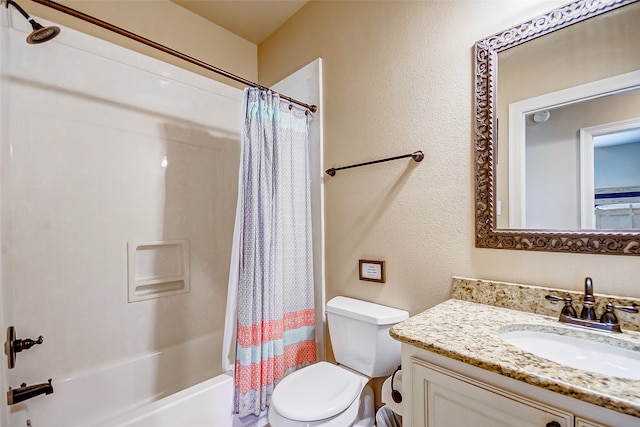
(271, 275)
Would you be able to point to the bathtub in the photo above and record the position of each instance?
(208, 404)
(177, 378)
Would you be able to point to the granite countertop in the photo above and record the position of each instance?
(469, 332)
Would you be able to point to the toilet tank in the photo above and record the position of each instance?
(359, 332)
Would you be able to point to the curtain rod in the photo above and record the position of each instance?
(88, 18)
(418, 156)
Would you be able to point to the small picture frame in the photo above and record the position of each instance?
(371, 271)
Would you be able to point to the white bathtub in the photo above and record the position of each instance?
(208, 404)
(129, 387)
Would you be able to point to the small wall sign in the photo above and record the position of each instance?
(372, 271)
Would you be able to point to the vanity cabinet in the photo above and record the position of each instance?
(580, 422)
(443, 392)
(443, 398)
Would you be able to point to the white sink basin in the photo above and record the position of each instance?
(604, 355)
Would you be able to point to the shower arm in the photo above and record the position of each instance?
(20, 9)
(103, 24)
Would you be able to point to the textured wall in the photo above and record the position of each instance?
(398, 77)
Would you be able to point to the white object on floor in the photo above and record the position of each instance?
(385, 417)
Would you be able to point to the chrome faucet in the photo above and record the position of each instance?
(588, 316)
(25, 392)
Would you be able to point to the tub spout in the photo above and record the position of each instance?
(25, 392)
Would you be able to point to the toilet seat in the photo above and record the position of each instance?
(319, 391)
(320, 394)
(343, 419)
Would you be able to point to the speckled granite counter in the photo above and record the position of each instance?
(469, 332)
(531, 298)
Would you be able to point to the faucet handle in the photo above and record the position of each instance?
(633, 308)
(15, 345)
(609, 316)
(568, 309)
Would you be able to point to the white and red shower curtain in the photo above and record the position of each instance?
(273, 265)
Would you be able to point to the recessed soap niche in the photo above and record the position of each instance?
(158, 269)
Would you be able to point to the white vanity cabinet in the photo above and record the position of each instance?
(580, 422)
(443, 398)
(442, 392)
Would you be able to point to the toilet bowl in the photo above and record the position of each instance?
(324, 395)
(328, 395)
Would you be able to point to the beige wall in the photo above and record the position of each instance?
(398, 77)
(166, 23)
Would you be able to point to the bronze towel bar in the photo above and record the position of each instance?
(417, 156)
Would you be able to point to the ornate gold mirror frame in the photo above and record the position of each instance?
(486, 60)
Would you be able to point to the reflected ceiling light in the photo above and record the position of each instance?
(39, 34)
(541, 116)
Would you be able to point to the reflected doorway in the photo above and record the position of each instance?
(610, 177)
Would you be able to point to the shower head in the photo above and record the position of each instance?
(39, 34)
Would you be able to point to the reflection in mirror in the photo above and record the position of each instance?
(545, 180)
(568, 66)
(552, 158)
(617, 178)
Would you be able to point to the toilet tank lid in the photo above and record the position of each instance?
(366, 311)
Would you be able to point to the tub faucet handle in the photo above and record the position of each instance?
(14, 345)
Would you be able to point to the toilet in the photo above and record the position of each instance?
(328, 395)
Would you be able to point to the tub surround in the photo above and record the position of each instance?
(466, 328)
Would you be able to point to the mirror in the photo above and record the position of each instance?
(573, 72)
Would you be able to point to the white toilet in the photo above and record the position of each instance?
(330, 395)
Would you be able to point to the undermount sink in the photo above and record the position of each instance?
(582, 350)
